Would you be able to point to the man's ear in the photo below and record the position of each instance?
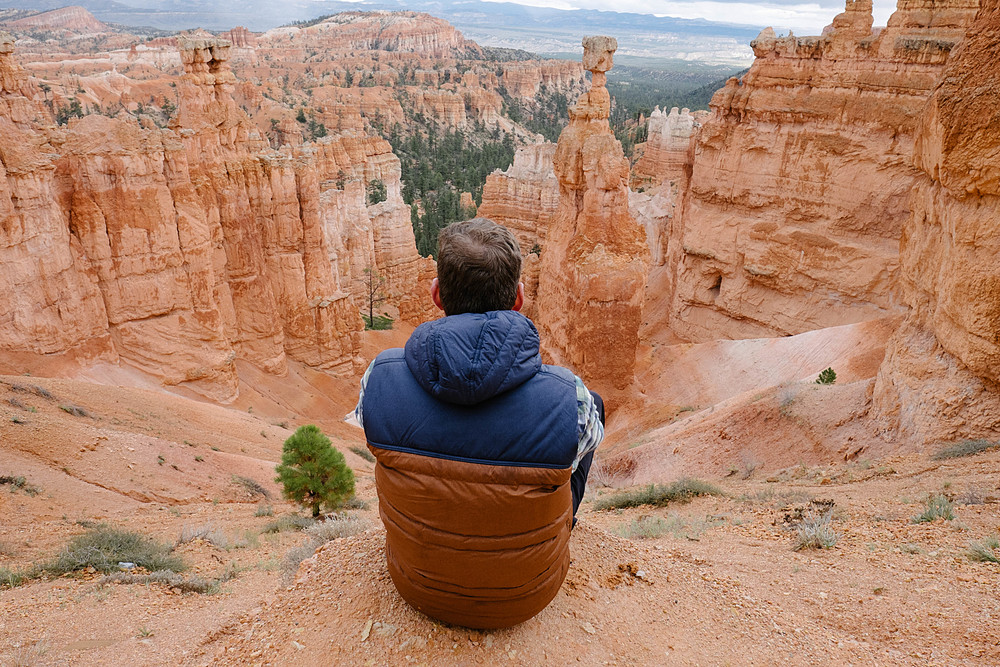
(436, 294)
(519, 299)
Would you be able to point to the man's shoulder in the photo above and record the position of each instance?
(389, 355)
(558, 372)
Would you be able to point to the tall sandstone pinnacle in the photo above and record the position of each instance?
(940, 380)
(801, 179)
(595, 258)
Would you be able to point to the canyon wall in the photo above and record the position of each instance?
(49, 300)
(666, 153)
(525, 199)
(182, 249)
(801, 178)
(594, 260)
(940, 380)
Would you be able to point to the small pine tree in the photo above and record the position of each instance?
(827, 377)
(313, 473)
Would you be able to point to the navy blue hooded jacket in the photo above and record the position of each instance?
(475, 439)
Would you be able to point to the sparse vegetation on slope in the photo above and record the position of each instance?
(815, 533)
(103, 547)
(986, 550)
(936, 507)
(658, 495)
(964, 448)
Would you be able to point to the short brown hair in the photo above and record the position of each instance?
(478, 267)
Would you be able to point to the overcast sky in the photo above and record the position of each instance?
(805, 18)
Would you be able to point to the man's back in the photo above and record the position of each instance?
(476, 441)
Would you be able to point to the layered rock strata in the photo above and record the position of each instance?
(180, 250)
(666, 151)
(940, 380)
(801, 178)
(525, 199)
(526, 196)
(595, 259)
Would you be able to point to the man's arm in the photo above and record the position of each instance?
(357, 414)
(589, 423)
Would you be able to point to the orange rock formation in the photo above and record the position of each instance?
(180, 250)
(941, 377)
(525, 199)
(594, 263)
(666, 152)
(801, 179)
(526, 196)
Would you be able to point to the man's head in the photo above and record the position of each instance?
(478, 267)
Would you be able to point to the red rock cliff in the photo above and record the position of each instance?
(595, 259)
(180, 250)
(940, 380)
(525, 199)
(801, 178)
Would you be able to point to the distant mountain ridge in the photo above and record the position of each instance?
(540, 30)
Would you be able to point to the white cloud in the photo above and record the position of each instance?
(805, 18)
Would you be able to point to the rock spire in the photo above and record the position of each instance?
(595, 257)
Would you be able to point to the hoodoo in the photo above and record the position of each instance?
(595, 259)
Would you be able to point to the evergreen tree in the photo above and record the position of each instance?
(829, 376)
(313, 473)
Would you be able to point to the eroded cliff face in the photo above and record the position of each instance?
(183, 249)
(941, 377)
(801, 179)
(666, 153)
(525, 199)
(595, 259)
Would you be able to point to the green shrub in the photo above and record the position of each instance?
(377, 323)
(658, 495)
(964, 448)
(13, 578)
(935, 507)
(104, 546)
(827, 376)
(20, 483)
(986, 550)
(313, 473)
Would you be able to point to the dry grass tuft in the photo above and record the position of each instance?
(964, 448)
(252, 486)
(104, 546)
(363, 453)
(815, 533)
(658, 495)
(986, 550)
(935, 507)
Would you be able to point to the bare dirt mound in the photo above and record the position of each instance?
(740, 406)
(622, 603)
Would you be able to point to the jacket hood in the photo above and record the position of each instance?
(469, 358)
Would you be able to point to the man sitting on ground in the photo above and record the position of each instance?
(482, 451)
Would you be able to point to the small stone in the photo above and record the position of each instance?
(367, 630)
(588, 628)
(297, 645)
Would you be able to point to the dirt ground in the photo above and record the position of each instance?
(713, 581)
